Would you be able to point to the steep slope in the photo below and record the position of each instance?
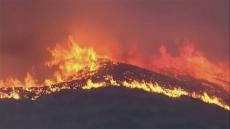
(119, 74)
(110, 108)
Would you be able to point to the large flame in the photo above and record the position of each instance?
(187, 62)
(72, 62)
(192, 62)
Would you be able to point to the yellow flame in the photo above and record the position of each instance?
(71, 60)
(90, 85)
(12, 95)
(14, 82)
(156, 88)
(75, 61)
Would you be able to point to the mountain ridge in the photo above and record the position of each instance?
(110, 107)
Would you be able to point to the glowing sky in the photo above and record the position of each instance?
(28, 27)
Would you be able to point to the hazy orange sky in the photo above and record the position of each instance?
(28, 27)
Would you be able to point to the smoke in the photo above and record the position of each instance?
(131, 30)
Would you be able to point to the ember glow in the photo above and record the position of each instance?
(192, 62)
(80, 68)
(71, 60)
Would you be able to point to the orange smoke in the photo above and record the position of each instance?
(187, 62)
(193, 63)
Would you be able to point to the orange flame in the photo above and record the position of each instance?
(194, 63)
(72, 59)
(14, 82)
(74, 62)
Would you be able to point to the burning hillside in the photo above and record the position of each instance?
(77, 68)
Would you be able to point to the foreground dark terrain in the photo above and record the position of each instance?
(111, 108)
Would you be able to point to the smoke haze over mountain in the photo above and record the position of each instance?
(27, 28)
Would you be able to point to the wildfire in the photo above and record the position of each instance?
(15, 82)
(192, 62)
(70, 60)
(78, 67)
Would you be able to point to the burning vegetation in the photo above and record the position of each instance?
(79, 68)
